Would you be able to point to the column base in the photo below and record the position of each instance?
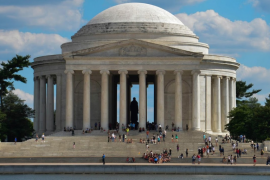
(196, 129)
(209, 132)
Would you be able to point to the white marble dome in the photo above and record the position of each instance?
(135, 12)
(134, 18)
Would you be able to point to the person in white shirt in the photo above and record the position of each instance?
(209, 139)
(43, 137)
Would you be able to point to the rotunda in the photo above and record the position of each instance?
(126, 44)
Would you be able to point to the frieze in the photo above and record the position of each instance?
(133, 50)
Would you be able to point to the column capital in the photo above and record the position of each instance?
(42, 77)
(160, 72)
(104, 71)
(142, 71)
(233, 78)
(219, 76)
(49, 76)
(87, 71)
(178, 71)
(122, 71)
(36, 78)
(209, 75)
(69, 71)
(226, 77)
(195, 72)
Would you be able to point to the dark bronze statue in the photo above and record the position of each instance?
(134, 110)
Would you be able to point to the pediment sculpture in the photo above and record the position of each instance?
(133, 50)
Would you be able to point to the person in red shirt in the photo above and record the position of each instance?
(199, 159)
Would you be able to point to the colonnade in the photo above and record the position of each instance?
(217, 105)
(44, 103)
(219, 100)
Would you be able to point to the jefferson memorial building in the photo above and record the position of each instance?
(127, 44)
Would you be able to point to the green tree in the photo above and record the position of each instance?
(2, 119)
(267, 101)
(16, 122)
(243, 91)
(250, 119)
(8, 73)
(241, 118)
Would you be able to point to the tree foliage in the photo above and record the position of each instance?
(250, 119)
(267, 101)
(16, 122)
(243, 91)
(8, 73)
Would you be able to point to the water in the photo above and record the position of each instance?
(129, 177)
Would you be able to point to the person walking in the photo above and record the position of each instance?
(15, 140)
(216, 141)
(254, 160)
(103, 159)
(170, 151)
(36, 138)
(193, 159)
(262, 153)
(163, 137)
(147, 134)
(268, 160)
(186, 152)
(234, 160)
(177, 147)
(43, 137)
(199, 159)
(73, 145)
(172, 137)
(123, 138)
(176, 138)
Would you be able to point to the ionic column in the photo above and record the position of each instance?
(208, 83)
(178, 99)
(225, 103)
(160, 97)
(142, 98)
(69, 98)
(196, 124)
(123, 97)
(231, 89)
(217, 105)
(104, 99)
(42, 105)
(234, 92)
(36, 103)
(86, 99)
(50, 105)
(58, 102)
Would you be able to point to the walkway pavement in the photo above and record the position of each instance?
(126, 164)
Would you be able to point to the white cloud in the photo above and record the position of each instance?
(172, 5)
(255, 74)
(64, 15)
(226, 36)
(13, 41)
(28, 98)
(262, 5)
(259, 77)
(261, 97)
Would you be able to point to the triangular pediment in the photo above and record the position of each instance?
(133, 48)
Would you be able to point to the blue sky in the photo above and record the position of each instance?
(240, 29)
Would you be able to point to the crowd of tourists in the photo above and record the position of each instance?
(157, 158)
